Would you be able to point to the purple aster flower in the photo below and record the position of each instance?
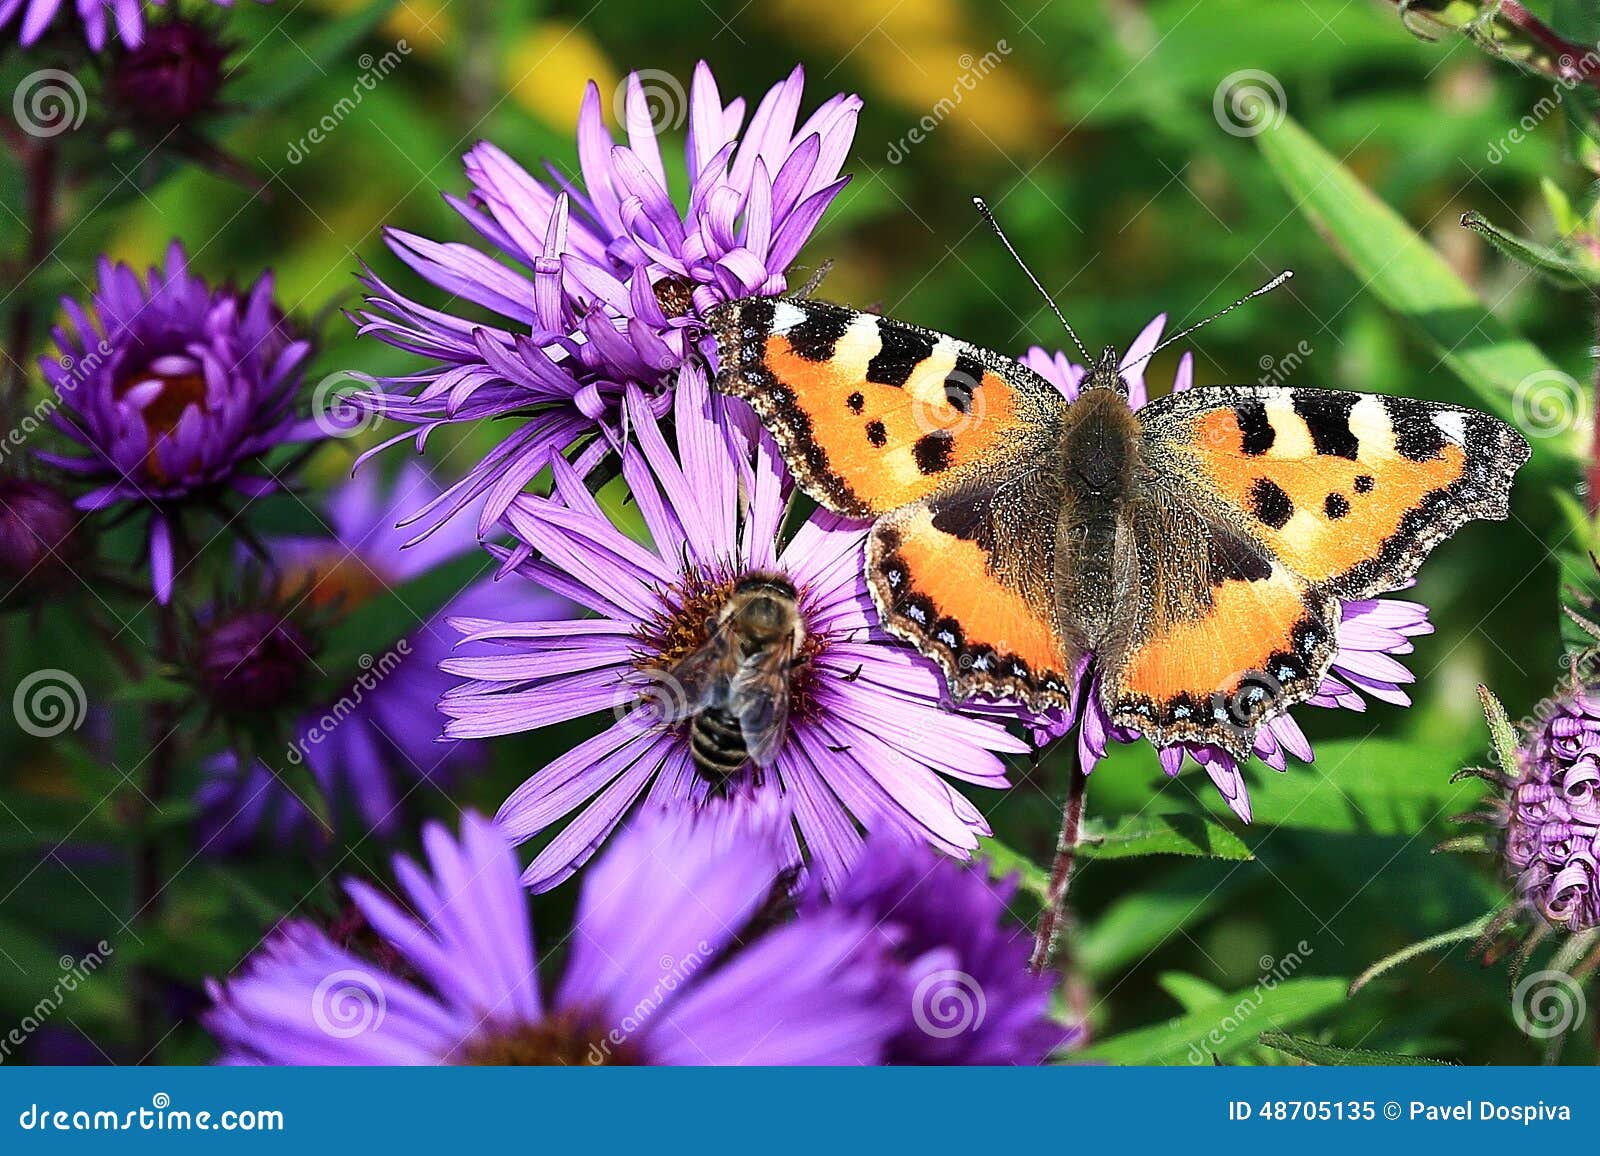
(124, 19)
(174, 391)
(656, 972)
(602, 281)
(1550, 813)
(367, 747)
(867, 742)
(967, 996)
(1372, 633)
(40, 539)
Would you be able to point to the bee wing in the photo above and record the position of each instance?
(759, 697)
(698, 681)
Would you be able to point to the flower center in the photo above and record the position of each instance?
(163, 391)
(717, 625)
(565, 1040)
(340, 582)
(675, 295)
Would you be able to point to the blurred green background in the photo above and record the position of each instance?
(1093, 132)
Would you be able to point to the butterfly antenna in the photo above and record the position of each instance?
(1015, 256)
(1181, 334)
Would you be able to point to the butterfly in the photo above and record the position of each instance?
(1197, 550)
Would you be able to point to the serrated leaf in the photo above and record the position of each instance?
(1405, 273)
(1564, 266)
(1145, 834)
(1327, 1055)
(1223, 1027)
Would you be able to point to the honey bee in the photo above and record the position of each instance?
(735, 687)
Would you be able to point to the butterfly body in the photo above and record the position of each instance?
(1197, 549)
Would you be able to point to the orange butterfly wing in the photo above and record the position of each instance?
(874, 414)
(1301, 498)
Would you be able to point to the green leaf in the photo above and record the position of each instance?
(1327, 1055)
(1002, 861)
(1366, 786)
(1405, 273)
(1567, 267)
(1137, 924)
(1501, 732)
(282, 66)
(1190, 991)
(1175, 834)
(1223, 1027)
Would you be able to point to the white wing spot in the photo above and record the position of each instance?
(786, 316)
(1453, 424)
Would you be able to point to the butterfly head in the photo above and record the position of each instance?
(1106, 373)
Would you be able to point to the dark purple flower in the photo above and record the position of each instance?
(124, 19)
(252, 661)
(601, 283)
(366, 748)
(175, 391)
(39, 537)
(171, 78)
(967, 996)
(657, 971)
(1371, 634)
(867, 743)
(1551, 814)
